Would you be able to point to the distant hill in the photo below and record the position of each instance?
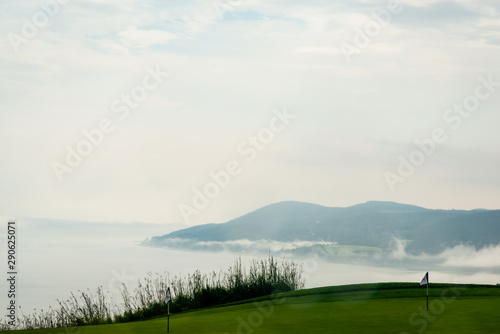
(368, 227)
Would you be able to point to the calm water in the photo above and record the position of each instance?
(55, 261)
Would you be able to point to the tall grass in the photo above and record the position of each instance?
(264, 277)
(197, 290)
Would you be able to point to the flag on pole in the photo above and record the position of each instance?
(167, 298)
(425, 280)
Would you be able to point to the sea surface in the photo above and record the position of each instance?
(57, 259)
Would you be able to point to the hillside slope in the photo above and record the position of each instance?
(372, 224)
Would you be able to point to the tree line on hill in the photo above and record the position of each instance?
(372, 224)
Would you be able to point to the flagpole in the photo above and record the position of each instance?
(167, 301)
(425, 281)
(427, 294)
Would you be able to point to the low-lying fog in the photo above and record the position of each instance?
(56, 259)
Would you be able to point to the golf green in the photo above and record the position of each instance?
(362, 308)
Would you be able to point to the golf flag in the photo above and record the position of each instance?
(167, 299)
(425, 280)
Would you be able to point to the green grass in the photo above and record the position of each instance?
(361, 308)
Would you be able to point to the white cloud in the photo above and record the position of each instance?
(134, 37)
(264, 245)
(466, 256)
(460, 256)
(228, 72)
(317, 49)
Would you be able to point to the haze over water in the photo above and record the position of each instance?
(55, 260)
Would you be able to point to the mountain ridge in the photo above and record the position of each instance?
(374, 224)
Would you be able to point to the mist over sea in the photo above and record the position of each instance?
(56, 259)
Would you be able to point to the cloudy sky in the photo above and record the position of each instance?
(201, 111)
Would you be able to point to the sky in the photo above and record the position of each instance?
(198, 112)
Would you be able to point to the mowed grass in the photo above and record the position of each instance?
(362, 308)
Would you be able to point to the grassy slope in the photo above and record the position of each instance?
(362, 308)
